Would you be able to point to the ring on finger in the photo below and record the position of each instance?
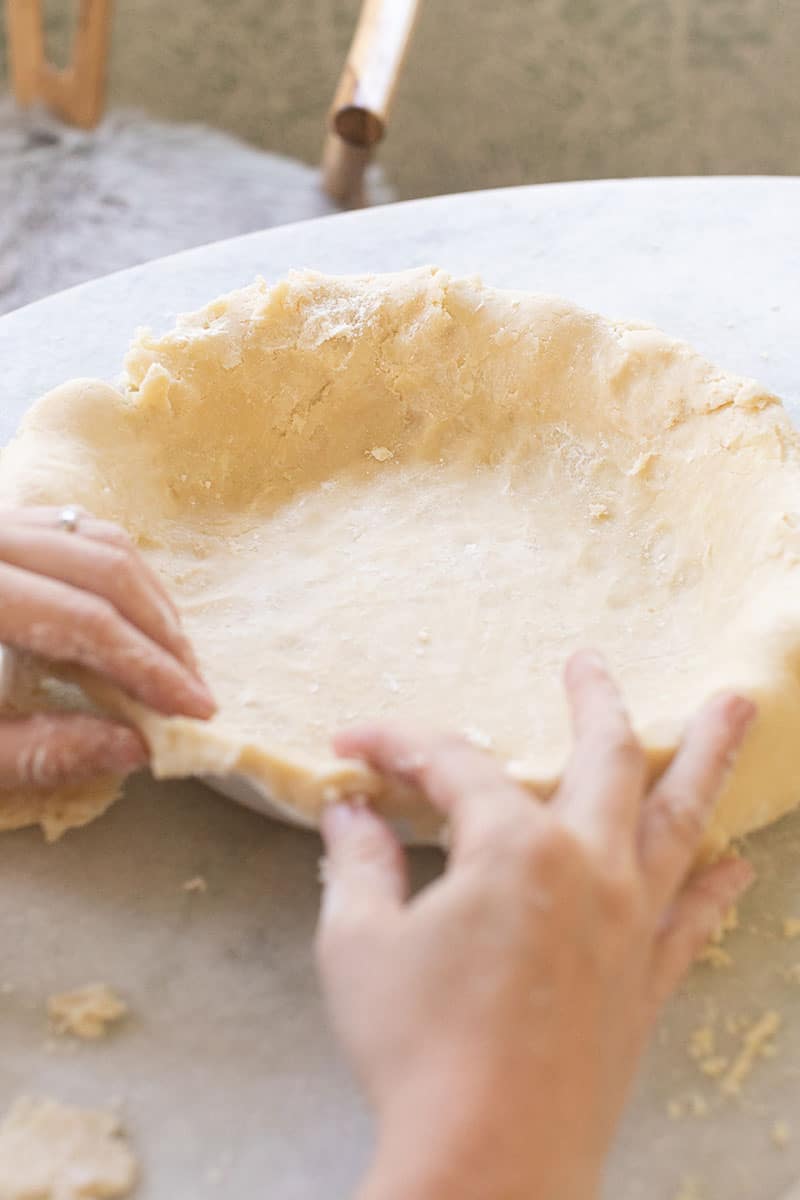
(68, 519)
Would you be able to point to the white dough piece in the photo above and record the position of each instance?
(87, 1011)
(50, 1151)
(412, 497)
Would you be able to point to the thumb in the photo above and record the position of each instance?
(364, 870)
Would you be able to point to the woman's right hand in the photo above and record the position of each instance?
(80, 593)
(496, 1019)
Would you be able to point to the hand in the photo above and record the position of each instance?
(496, 1020)
(86, 597)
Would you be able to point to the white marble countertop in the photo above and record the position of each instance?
(228, 1080)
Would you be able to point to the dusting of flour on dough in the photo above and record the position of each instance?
(86, 1012)
(51, 1151)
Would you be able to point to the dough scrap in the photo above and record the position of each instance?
(86, 1012)
(198, 883)
(51, 1151)
(545, 479)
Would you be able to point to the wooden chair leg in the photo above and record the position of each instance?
(77, 93)
(360, 111)
(343, 170)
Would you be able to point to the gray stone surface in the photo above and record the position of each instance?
(75, 205)
(228, 1080)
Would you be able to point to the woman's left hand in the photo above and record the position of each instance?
(78, 592)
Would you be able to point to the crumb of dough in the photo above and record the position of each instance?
(693, 1105)
(780, 1135)
(792, 974)
(728, 924)
(197, 883)
(735, 1025)
(477, 737)
(701, 1042)
(599, 512)
(87, 1011)
(714, 1066)
(715, 957)
(689, 1190)
(68, 807)
(791, 927)
(755, 1042)
(642, 464)
(7, 989)
(381, 453)
(51, 1151)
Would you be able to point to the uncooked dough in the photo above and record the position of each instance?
(413, 496)
(51, 1151)
(87, 1011)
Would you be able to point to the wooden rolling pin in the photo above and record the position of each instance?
(360, 111)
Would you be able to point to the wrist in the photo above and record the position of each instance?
(419, 1159)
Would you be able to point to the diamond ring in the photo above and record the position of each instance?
(68, 519)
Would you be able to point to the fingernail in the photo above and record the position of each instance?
(190, 657)
(741, 714)
(198, 689)
(124, 750)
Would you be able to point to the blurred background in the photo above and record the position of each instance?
(506, 92)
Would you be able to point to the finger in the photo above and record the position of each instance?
(46, 750)
(49, 517)
(677, 811)
(65, 624)
(112, 571)
(365, 869)
(693, 919)
(465, 784)
(602, 790)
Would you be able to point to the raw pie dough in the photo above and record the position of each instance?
(413, 496)
(86, 1012)
(51, 1151)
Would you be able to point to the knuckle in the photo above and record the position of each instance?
(722, 754)
(101, 617)
(616, 749)
(618, 895)
(123, 555)
(114, 535)
(624, 749)
(550, 847)
(684, 821)
(120, 568)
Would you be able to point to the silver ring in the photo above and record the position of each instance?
(68, 519)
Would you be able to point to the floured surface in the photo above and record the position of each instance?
(50, 1151)
(544, 479)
